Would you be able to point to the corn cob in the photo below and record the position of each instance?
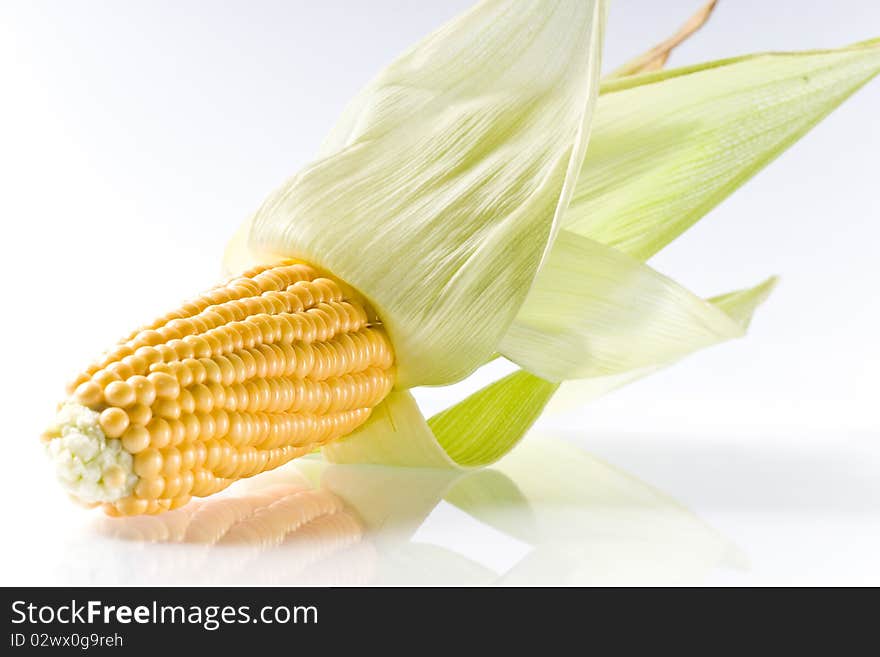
(262, 369)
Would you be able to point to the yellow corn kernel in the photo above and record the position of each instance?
(267, 367)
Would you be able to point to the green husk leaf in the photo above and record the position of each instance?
(594, 311)
(440, 192)
(667, 147)
(486, 425)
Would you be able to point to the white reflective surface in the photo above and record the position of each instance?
(139, 135)
(550, 513)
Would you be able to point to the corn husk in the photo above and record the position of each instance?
(440, 191)
(459, 195)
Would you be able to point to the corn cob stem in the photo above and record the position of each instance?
(257, 371)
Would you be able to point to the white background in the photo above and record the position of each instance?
(134, 137)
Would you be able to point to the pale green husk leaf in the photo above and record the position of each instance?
(439, 193)
(489, 423)
(396, 434)
(594, 311)
(740, 306)
(473, 433)
(667, 147)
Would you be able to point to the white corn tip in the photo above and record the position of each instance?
(89, 466)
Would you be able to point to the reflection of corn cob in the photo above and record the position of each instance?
(339, 555)
(271, 524)
(211, 520)
(255, 372)
(333, 531)
(277, 533)
(282, 513)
